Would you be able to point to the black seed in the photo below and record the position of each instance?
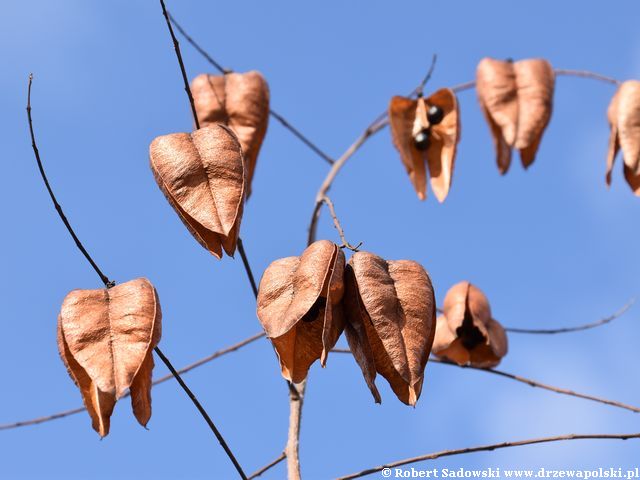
(435, 115)
(421, 139)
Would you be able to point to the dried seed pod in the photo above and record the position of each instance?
(624, 119)
(240, 101)
(516, 99)
(390, 312)
(300, 307)
(202, 175)
(427, 131)
(106, 339)
(466, 333)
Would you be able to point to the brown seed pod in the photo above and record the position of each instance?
(240, 101)
(106, 339)
(466, 333)
(624, 119)
(203, 177)
(426, 131)
(300, 307)
(516, 99)
(390, 311)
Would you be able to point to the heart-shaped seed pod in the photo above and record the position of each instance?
(240, 101)
(202, 175)
(390, 312)
(466, 333)
(106, 339)
(624, 119)
(427, 131)
(516, 99)
(300, 307)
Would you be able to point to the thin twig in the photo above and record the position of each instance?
(420, 90)
(198, 48)
(188, 368)
(528, 381)
(489, 448)
(247, 267)
(558, 71)
(463, 86)
(577, 328)
(107, 283)
(336, 223)
(268, 466)
(285, 123)
(292, 449)
(203, 412)
(176, 47)
(534, 383)
(371, 130)
(587, 74)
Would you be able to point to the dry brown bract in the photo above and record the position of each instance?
(516, 99)
(240, 101)
(300, 307)
(624, 118)
(423, 137)
(203, 176)
(106, 340)
(466, 334)
(390, 310)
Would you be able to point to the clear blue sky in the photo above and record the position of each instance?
(551, 246)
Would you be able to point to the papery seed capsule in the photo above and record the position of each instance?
(435, 114)
(421, 139)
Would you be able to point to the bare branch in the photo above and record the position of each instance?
(534, 383)
(285, 123)
(203, 412)
(107, 283)
(577, 328)
(420, 90)
(587, 74)
(188, 368)
(377, 125)
(528, 381)
(292, 450)
(489, 448)
(275, 462)
(176, 47)
(247, 267)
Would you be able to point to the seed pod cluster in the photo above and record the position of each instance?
(106, 339)
(386, 308)
(624, 119)
(466, 333)
(426, 131)
(516, 99)
(239, 101)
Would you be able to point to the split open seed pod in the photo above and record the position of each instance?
(240, 101)
(202, 175)
(516, 99)
(390, 311)
(426, 131)
(300, 307)
(106, 339)
(624, 119)
(466, 333)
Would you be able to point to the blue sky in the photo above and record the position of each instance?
(550, 246)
